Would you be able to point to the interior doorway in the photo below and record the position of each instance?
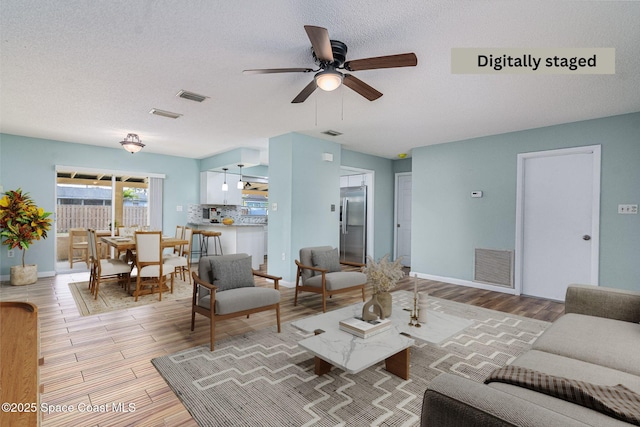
(356, 177)
(402, 233)
(557, 220)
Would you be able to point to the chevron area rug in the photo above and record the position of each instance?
(263, 378)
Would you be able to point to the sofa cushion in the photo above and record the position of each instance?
(326, 260)
(338, 280)
(239, 299)
(229, 272)
(554, 364)
(606, 342)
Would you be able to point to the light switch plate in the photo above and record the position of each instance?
(628, 209)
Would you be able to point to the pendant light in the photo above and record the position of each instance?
(240, 185)
(225, 187)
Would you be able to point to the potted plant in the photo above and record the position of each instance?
(22, 222)
(383, 276)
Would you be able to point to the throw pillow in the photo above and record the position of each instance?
(231, 273)
(326, 260)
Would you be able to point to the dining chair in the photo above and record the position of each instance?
(105, 270)
(182, 261)
(319, 271)
(224, 288)
(177, 249)
(78, 243)
(152, 271)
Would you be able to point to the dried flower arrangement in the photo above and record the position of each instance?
(383, 275)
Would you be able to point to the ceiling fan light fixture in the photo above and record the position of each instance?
(132, 143)
(328, 80)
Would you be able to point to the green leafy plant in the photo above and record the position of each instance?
(383, 275)
(21, 221)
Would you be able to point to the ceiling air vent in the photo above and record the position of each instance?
(191, 96)
(332, 132)
(164, 113)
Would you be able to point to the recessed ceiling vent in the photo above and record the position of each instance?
(332, 132)
(163, 113)
(191, 96)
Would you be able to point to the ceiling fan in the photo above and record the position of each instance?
(330, 55)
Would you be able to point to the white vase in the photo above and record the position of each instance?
(24, 275)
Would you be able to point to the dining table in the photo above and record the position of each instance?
(128, 245)
(123, 244)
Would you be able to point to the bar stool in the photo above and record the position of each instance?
(196, 249)
(204, 242)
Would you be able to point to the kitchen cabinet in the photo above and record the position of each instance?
(354, 180)
(211, 189)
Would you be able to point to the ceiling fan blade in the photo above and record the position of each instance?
(390, 61)
(361, 87)
(278, 70)
(319, 38)
(304, 94)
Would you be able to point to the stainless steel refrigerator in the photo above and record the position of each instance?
(353, 224)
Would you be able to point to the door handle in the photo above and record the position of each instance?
(586, 237)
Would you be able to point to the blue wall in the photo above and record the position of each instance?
(448, 224)
(304, 187)
(29, 163)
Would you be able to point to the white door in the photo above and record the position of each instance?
(403, 218)
(558, 227)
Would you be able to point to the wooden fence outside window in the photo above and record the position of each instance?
(97, 217)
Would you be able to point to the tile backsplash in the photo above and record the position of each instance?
(194, 215)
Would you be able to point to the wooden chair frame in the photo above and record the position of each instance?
(82, 246)
(161, 280)
(96, 276)
(195, 308)
(322, 290)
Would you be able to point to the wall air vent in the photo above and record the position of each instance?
(191, 96)
(494, 267)
(332, 132)
(163, 113)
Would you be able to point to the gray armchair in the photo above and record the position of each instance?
(224, 288)
(320, 272)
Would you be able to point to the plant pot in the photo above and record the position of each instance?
(24, 275)
(384, 298)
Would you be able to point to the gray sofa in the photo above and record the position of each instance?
(597, 341)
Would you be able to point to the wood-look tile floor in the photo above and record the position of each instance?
(106, 359)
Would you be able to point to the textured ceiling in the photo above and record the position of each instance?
(89, 72)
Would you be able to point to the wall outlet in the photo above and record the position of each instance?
(283, 256)
(179, 208)
(11, 253)
(628, 209)
(274, 207)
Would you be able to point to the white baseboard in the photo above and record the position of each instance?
(468, 283)
(287, 284)
(7, 277)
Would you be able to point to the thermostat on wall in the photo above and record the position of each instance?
(476, 194)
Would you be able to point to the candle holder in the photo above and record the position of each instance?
(414, 313)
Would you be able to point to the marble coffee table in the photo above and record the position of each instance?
(333, 347)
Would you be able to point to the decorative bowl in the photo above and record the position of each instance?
(227, 221)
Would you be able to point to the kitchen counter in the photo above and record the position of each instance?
(238, 238)
(219, 224)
